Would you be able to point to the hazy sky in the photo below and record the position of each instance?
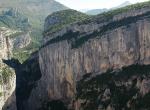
(94, 4)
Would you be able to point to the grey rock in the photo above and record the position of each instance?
(21, 41)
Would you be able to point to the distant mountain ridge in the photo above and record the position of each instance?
(126, 3)
(98, 11)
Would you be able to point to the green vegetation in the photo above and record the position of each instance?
(21, 55)
(6, 73)
(35, 10)
(1, 94)
(27, 15)
(92, 90)
(24, 53)
(16, 34)
(63, 18)
(14, 20)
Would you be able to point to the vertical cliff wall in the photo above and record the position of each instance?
(66, 58)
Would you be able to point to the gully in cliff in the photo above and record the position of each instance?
(20, 82)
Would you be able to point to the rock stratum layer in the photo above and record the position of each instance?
(89, 48)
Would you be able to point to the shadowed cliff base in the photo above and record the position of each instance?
(26, 76)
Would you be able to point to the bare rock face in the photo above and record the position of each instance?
(122, 42)
(7, 75)
(21, 41)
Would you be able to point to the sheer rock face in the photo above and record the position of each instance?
(61, 65)
(7, 75)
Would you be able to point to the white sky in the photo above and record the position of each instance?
(94, 4)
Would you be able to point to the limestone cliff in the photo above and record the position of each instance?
(89, 48)
(7, 75)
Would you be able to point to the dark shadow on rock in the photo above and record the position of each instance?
(27, 75)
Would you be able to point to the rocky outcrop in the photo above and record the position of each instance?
(7, 75)
(21, 41)
(90, 49)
